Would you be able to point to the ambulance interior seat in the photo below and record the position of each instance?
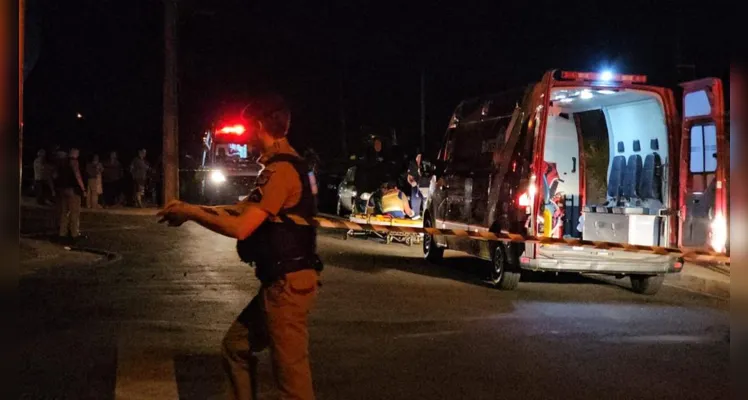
(630, 185)
(650, 186)
(615, 179)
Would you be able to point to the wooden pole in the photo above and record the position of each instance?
(343, 132)
(423, 111)
(21, 44)
(170, 154)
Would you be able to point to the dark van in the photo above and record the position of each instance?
(598, 156)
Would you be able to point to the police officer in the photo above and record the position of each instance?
(284, 256)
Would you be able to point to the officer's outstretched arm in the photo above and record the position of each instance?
(234, 209)
(237, 222)
(228, 223)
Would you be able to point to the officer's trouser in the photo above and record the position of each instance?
(275, 318)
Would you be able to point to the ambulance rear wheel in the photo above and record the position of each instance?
(646, 284)
(504, 275)
(431, 251)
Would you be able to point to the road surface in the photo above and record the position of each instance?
(387, 325)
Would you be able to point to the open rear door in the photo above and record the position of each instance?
(704, 160)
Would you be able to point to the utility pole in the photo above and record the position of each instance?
(21, 48)
(343, 133)
(423, 111)
(685, 71)
(170, 153)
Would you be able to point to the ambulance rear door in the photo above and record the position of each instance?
(703, 180)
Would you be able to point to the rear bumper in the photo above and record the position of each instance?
(568, 259)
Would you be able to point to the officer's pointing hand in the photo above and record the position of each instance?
(175, 213)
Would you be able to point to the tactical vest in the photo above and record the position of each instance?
(279, 248)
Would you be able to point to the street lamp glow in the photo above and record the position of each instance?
(79, 115)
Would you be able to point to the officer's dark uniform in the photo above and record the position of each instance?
(284, 256)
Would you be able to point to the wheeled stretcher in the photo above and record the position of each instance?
(387, 221)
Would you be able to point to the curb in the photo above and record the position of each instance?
(711, 287)
(110, 257)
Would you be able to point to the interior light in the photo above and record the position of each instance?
(586, 94)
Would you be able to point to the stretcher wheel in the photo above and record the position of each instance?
(388, 239)
(409, 241)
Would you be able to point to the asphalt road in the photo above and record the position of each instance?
(387, 325)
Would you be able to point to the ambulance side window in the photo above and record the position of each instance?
(703, 157)
(703, 148)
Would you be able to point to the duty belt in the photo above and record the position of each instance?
(268, 273)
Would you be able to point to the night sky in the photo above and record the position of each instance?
(104, 59)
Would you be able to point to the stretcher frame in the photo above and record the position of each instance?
(389, 236)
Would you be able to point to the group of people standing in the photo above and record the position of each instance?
(61, 180)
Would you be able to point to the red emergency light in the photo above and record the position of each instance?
(237, 130)
(604, 76)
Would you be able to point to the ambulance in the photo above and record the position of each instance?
(600, 156)
(229, 168)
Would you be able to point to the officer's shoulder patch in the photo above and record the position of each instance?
(264, 177)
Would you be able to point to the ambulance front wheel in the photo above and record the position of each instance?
(646, 284)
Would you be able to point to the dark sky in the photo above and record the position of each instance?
(104, 59)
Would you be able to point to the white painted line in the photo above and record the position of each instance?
(426, 334)
(144, 374)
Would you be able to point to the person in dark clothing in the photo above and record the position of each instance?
(112, 180)
(415, 173)
(139, 169)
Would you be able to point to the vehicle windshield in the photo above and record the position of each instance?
(226, 153)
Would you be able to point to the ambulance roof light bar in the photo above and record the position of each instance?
(604, 76)
(233, 130)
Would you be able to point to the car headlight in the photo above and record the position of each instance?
(217, 177)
